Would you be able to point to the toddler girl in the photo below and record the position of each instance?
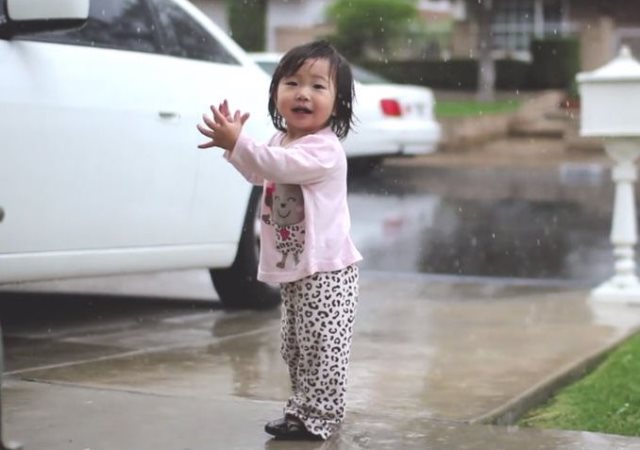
(305, 241)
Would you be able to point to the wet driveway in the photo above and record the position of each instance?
(532, 223)
(431, 354)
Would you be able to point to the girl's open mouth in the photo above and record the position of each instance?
(301, 109)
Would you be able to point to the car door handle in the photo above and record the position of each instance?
(1, 214)
(168, 115)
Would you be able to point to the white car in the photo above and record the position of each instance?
(391, 119)
(99, 167)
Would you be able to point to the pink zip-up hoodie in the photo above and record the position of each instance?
(318, 164)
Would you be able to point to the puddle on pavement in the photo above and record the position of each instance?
(513, 223)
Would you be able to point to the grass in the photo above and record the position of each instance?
(607, 400)
(472, 108)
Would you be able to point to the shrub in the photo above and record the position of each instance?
(512, 74)
(247, 21)
(368, 23)
(555, 62)
(451, 74)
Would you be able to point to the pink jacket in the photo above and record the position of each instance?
(318, 164)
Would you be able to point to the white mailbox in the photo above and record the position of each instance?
(610, 98)
(610, 109)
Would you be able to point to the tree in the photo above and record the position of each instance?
(362, 24)
(247, 21)
(480, 10)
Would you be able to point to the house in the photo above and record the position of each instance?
(288, 22)
(292, 22)
(601, 25)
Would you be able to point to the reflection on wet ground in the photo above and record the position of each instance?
(530, 223)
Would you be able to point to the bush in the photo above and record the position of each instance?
(368, 23)
(555, 62)
(451, 74)
(512, 74)
(247, 21)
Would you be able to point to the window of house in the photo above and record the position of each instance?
(553, 15)
(516, 22)
(513, 24)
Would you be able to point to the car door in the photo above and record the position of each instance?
(207, 73)
(100, 172)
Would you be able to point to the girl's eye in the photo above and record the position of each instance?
(318, 86)
(292, 199)
(290, 83)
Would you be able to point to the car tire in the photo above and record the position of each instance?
(238, 286)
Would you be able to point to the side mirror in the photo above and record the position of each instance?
(32, 16)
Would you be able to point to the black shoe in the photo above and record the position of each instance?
(290, 428)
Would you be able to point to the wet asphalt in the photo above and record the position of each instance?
(474, 307)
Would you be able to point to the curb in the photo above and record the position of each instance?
(511, 411)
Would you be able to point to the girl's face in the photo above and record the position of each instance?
(306, 99)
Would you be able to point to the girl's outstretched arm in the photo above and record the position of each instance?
(224, 129)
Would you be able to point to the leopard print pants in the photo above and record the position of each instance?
(317, 324)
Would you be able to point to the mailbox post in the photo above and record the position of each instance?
(610, 99)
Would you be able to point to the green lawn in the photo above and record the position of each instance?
(471, 108)
(607, 400)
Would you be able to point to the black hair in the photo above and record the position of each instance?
(342, 119)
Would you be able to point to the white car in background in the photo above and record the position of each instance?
(99, 167)
(391, 119)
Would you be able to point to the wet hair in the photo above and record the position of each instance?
(342, 119)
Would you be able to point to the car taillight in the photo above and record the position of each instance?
(390, 107)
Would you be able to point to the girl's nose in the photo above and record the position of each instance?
(302, 94)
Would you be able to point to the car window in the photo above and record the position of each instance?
(187, 38)
(268, 66)
(119, 24)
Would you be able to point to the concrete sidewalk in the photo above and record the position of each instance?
(540, 125)
(435, 359)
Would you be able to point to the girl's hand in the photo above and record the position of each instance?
(224, 129)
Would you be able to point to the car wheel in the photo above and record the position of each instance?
(238, 286)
